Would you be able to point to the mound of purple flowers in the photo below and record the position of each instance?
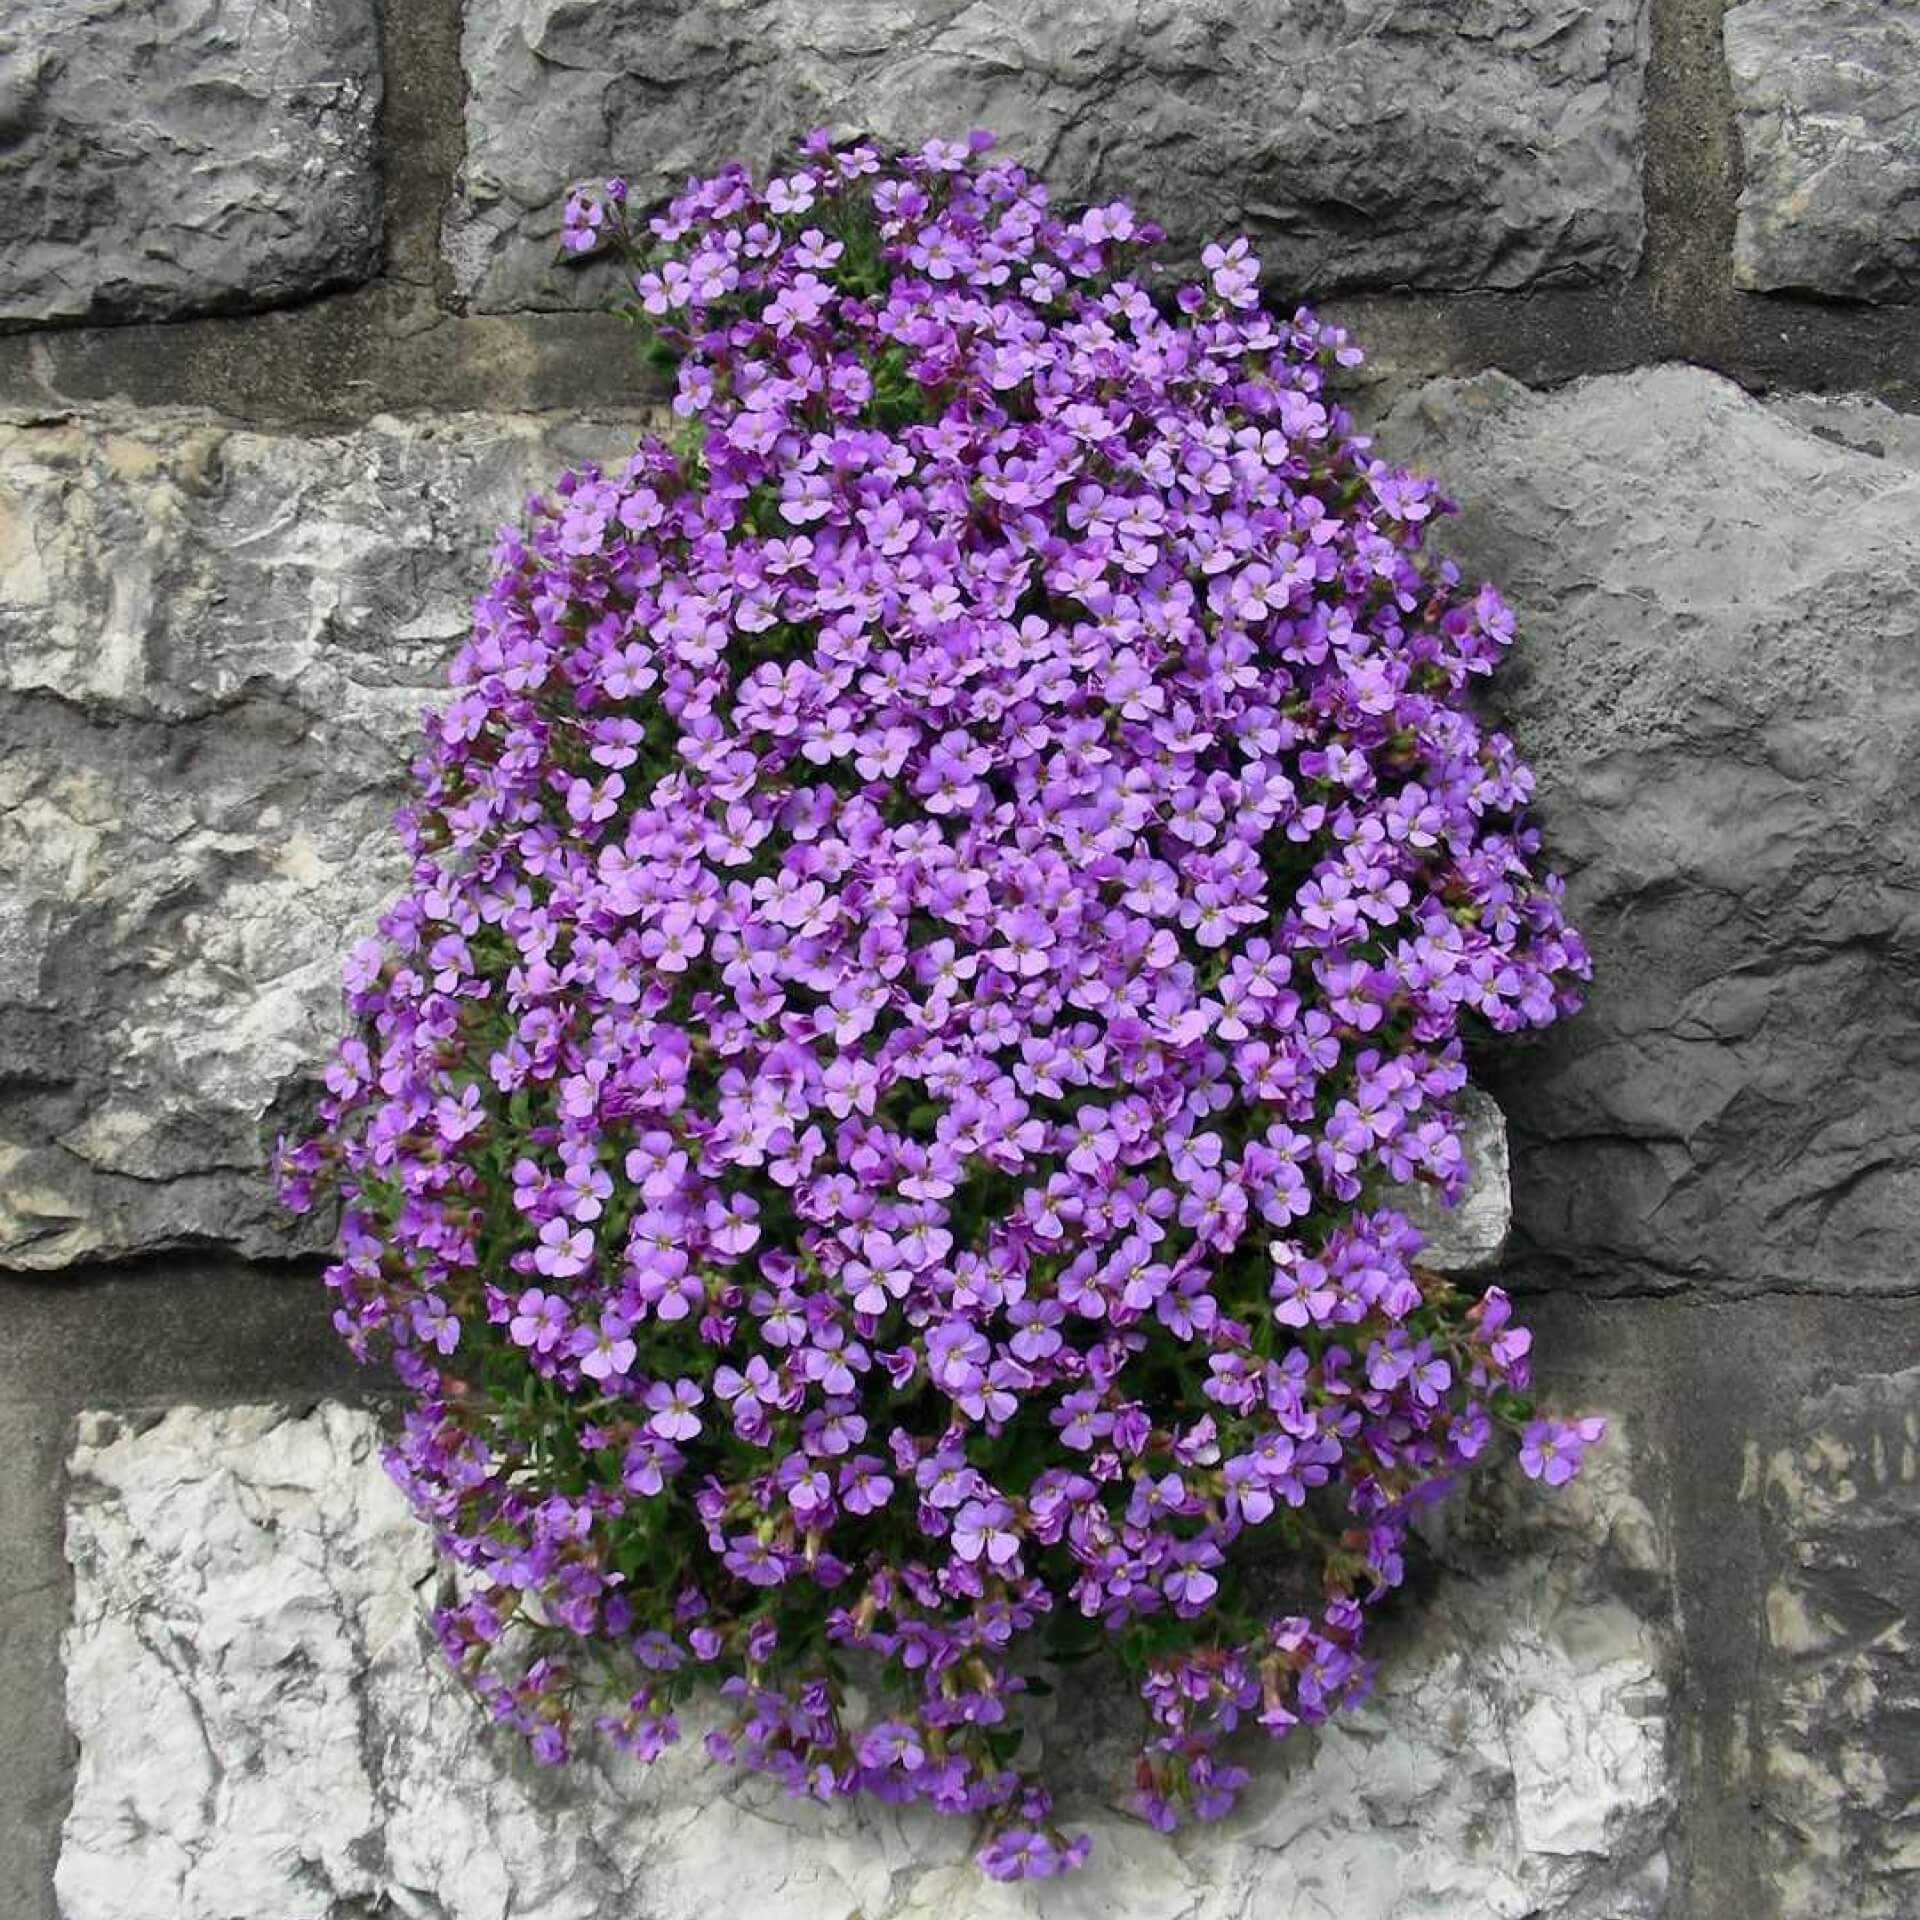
(939, 905)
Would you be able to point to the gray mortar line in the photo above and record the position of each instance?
(1718, 1382)
(337, 362)
(173, 1330)
(1691, 179)
(422, 137)
(36, 1784)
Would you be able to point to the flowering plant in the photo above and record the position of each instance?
(940, 903)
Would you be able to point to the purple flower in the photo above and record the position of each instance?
(672, 1407)
(1551, 1450)
(1235, 273)
(864, 1486)
(1020, 1853)
(606, 1351)
(435, 1324)
(936, 899)
(563, 1250)
(540, 1321)
(985, 1527)
(892, 1743)
(1189, 1589)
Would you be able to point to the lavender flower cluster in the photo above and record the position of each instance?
(939, 904)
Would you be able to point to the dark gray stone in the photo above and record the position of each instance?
(1838, 1697)
(214, 649)
(35, 1783)
(1828, 98)
(160, 157)
(1494, 144)
(1718, 682)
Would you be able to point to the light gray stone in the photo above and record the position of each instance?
(1828, 98)
(1473, 1234)
(266, 1733)
(1717, 679)
(214, 649)
(160, 157)
(1838, 1739)
(1494, 144)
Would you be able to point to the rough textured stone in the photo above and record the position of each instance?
(1839, 1696)
(1473, 1234)
(214, 647)
(1495, 144)
(1718, 682)
(1828, 98)
(265, 1731)
(168, 158)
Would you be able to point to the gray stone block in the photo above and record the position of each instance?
(1828, 98)
(185, 156)
(265, 1729)
(1472, 1234)
(214, 650)
(1495, 144)
(1717, 680)
(1838, 1697)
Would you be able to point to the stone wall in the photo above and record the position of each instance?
(282, 340)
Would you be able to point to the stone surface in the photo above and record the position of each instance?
(214, 648)
(160, 157)
(1838, 1699)
(1473, 1234)
(1718, 682)
(266, 1733)
(1828, 98)
(1494, 144)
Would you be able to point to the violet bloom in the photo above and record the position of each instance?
(563, 1250)
(435, 1324)
(607, 1351)
(1551, 1450)
(864, 1486)
(986, 1527)
(1189, 1589)
(755, 1561)
(936, 901)
(539, 1322)
(1019, 1853)
(672, 1409)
